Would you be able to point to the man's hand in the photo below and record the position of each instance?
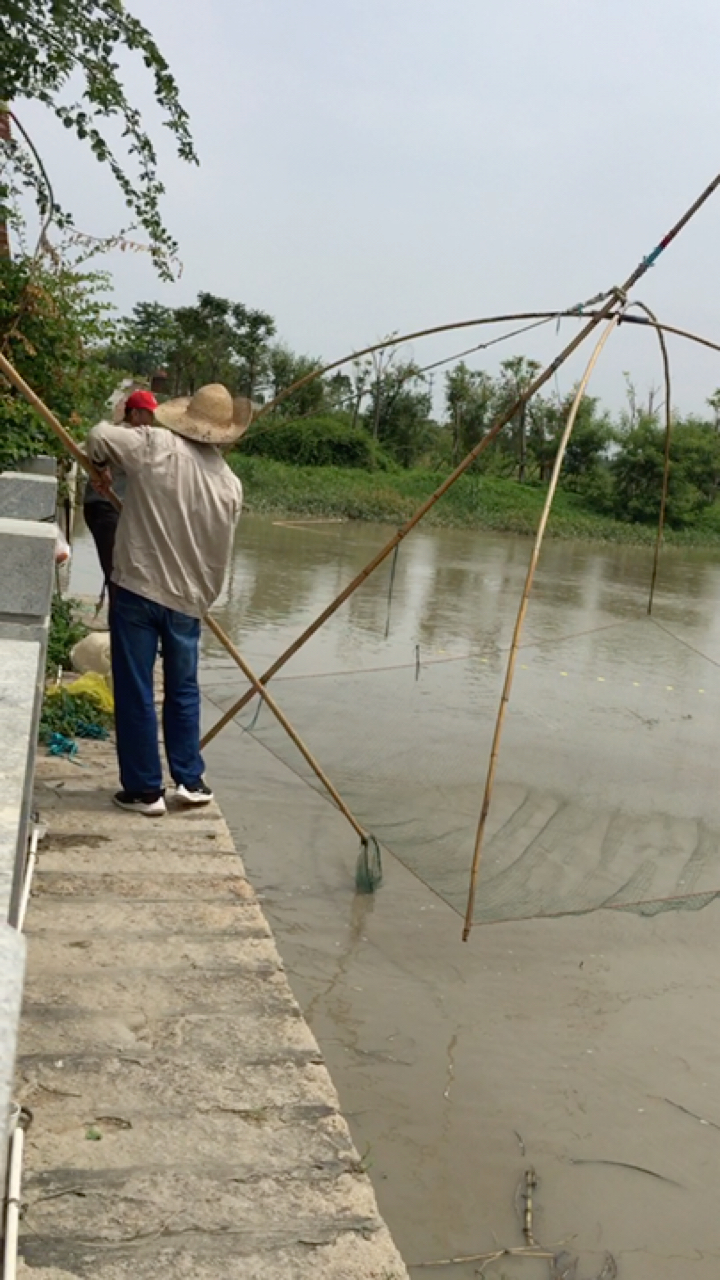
(102, 481)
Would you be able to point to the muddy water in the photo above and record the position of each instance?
(585, 1045)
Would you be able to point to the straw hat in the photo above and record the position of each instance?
(211, 416)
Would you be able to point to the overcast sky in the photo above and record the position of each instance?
(378, 165)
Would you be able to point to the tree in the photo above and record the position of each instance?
(251, 332)
(693, 477)
(399, 412)
(147, 340)
(516, 374)
(53, 324)
(360, 384)
(588, 445)
(46, 47)
(203, 351)
(339, 393)
(286, 368)
(714, 403)
(469, 397)
(215, 340)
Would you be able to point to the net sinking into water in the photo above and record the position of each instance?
(606, 792)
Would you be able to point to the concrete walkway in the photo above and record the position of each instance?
(184, 1124)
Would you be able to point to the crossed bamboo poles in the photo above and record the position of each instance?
(613, 309)
(12, 375)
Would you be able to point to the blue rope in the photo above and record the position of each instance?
(84, 729)
(653, 257)
(59, 745)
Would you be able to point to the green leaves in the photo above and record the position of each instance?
(42, 46)
(327, 441)
(54, 324)
(214, 341)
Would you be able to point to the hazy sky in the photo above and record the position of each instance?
(378, 165)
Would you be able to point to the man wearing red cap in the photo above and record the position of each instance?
(101, 517)
(173, 545)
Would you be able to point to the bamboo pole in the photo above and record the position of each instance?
(666, 457)
(12, 375)
(522, 610)
(282, 719)
(10, 372)
(617, 294)
(410, 524)
(573, 313)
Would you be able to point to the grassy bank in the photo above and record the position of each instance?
(473, 502)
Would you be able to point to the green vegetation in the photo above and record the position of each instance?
(214, 341)
(73, 715)
(82, 713)
(318, 442)
(368, 443)
(54, 324)
(475, 501)
(66, 630)
(67, 56)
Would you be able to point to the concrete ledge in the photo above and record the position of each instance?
(20, 679)
(27, 497)
(42, 465)
(28, 629)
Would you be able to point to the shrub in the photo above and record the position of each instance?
(65, 632)
(327, 441)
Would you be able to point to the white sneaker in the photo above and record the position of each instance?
(201, 794)
(148, 805)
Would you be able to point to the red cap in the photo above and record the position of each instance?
(141, 400)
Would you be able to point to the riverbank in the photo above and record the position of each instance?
(474, 502)
(183, 1121)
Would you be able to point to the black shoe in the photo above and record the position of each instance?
(199, 794)
(151, 804)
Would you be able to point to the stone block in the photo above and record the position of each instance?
(36, 630)
(19, 709)
(27, 555)
(12, 968)
(27, 497)
(42, 465)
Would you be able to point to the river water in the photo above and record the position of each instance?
(576, 1031)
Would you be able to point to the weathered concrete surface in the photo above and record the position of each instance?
(20, 668)
(184, 1122)
(12, 969)
(27, 554)
(27, 497)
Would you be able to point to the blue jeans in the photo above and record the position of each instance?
(137, 626)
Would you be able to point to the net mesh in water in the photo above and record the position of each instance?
(606, 792)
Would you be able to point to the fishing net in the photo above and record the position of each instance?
(606, 793)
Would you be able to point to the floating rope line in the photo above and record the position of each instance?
(576, 313)
(483, 346)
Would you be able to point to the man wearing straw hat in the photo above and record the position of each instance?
(172, 547)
